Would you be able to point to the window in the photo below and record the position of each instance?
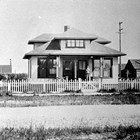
(42, 67)
(52, 66)
(82, 65)
(96, 67)
(107, 67)
(47, 67)
(138, 73)
(75, 43)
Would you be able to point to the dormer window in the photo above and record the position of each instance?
(75, 44)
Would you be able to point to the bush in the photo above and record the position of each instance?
(131, 90)
(14, 76)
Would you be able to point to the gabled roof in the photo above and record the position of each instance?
(135, 63)
(5, 69)
(96, 49)
(69, 34)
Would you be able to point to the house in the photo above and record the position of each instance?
(6, 69)
(69, 54)
(123, 72)
(132, 68)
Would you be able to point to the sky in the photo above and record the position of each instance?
(22, 20)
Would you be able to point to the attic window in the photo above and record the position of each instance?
(75, 44)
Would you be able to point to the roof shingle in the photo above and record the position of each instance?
(95, 49)
(69, 34)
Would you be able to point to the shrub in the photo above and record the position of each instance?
(14, 76)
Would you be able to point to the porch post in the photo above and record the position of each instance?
(57, 66)
(101, 66)
(101, 73)
(29, 69)
(75, 69)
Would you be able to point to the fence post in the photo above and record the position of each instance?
(79, 83)
(132, 84)
(44, 89)
(100, 83)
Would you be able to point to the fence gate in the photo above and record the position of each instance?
(90, 86)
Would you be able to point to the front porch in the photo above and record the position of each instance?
(74, 67)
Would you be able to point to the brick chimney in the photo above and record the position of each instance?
(66, 27)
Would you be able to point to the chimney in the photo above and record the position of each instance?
(66, 27)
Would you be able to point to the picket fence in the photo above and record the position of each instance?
(64, 86)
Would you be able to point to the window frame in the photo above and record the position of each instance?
(75, 43)
(102, 70)
(48, 66)
(52, 66)
(110, 69)
(96, 67)
(41, 68)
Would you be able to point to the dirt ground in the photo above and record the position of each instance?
(69, 116)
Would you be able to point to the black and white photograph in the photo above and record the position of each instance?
(70, 70)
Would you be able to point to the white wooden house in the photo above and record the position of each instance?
(69, 54)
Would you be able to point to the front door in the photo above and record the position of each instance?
(82, 65)
(68, 69)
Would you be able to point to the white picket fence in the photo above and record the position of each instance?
(60, 86)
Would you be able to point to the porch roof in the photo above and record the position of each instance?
(96, 49)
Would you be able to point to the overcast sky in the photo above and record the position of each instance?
(22, 20)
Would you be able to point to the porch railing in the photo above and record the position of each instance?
(60, 86)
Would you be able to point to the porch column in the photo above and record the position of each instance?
(75, 69)
(29, 69)
(101, 70)
(57, 66)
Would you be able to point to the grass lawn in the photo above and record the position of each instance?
(80, 133)
(25, 101)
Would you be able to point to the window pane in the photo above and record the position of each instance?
(42, 67)
(73, 44)
(52, 71)
(96, 67)
(68, 43)
(107, 73)
(77, 43)
(96, 63)
(107, 68)
(54, 63)
(81, 43)
(96, 72)
(138, 73)
(82, 65)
